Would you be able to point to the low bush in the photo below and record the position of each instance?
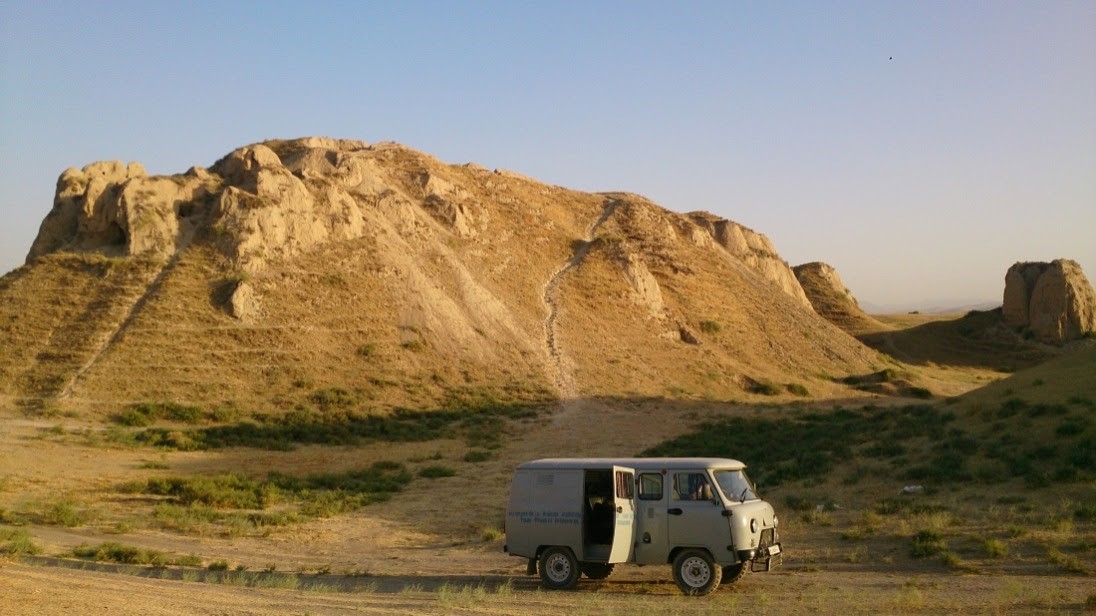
(194, 502)
(811, 444)
(118, 553)
(16, 541)
(65, 513)
(798, 390)
(927, 543)
(474, 416)
(477, 455)
(148, 413)
(995, 548)
(762, 387)
(436, 471)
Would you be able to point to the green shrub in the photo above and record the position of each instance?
(812, 444)
(64, 513)
(147, 413)
(919, 392)
(477, 455)
(436, 471)
(798, 390)
(995, 548)
(1071, 427)
(927, 543)
(414, 345)
(333, 398)
(16, 541)
(762, 387)
(190, 560)
(1066, 562)
(118, 553)
(198, 501)
(474, 415)
(218, 565)
(710, 327)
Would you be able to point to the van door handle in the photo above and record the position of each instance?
(675, 511)
(620, 509)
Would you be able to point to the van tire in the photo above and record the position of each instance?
(733, 573)
(596, 571)
(696, 573)
(558, 568)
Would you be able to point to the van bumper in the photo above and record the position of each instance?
(762, 555)
(763, 558)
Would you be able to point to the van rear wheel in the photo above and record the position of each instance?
(596, 571)
(696, 573)
(558, 568)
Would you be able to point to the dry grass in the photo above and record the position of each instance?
(404, 347)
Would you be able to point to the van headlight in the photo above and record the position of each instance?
(776, 521)
(753, 525)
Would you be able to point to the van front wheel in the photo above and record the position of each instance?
(696, 573)
(558, 568)
(733, 573)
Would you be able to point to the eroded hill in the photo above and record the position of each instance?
(295, 271)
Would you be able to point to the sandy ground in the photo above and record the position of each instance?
(426, 551)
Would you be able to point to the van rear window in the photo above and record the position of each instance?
(624, 485)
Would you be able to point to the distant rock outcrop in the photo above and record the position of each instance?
(753, 249)
(1054, 301)
(832, 300)
(117, 208)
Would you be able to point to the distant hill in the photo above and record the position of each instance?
(296, 273)
(937, 307)
(831, 299)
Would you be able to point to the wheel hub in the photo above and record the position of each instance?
(695, 572)
(558, 567)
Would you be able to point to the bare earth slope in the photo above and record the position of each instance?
(831, 299)
(293, 267)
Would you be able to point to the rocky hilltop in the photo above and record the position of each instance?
(832, 299)
(1054, 301)
(289, 270)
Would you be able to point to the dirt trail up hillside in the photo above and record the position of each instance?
(563, 374)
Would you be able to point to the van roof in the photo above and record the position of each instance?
(636, 463)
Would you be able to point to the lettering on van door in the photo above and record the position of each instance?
(568, 518)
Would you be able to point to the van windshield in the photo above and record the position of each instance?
(736, 485)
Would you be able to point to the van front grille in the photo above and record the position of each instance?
(766, 538)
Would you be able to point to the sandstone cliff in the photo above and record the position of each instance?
(1054, 301)
(753, 249)
(287, 268)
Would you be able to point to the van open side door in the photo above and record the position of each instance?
(624, 486)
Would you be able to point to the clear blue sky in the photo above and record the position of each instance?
(919, 147)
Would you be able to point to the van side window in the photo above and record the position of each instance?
(692, 486)
(650, 486)
(624, 485)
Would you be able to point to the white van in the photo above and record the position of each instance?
(582, 516)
